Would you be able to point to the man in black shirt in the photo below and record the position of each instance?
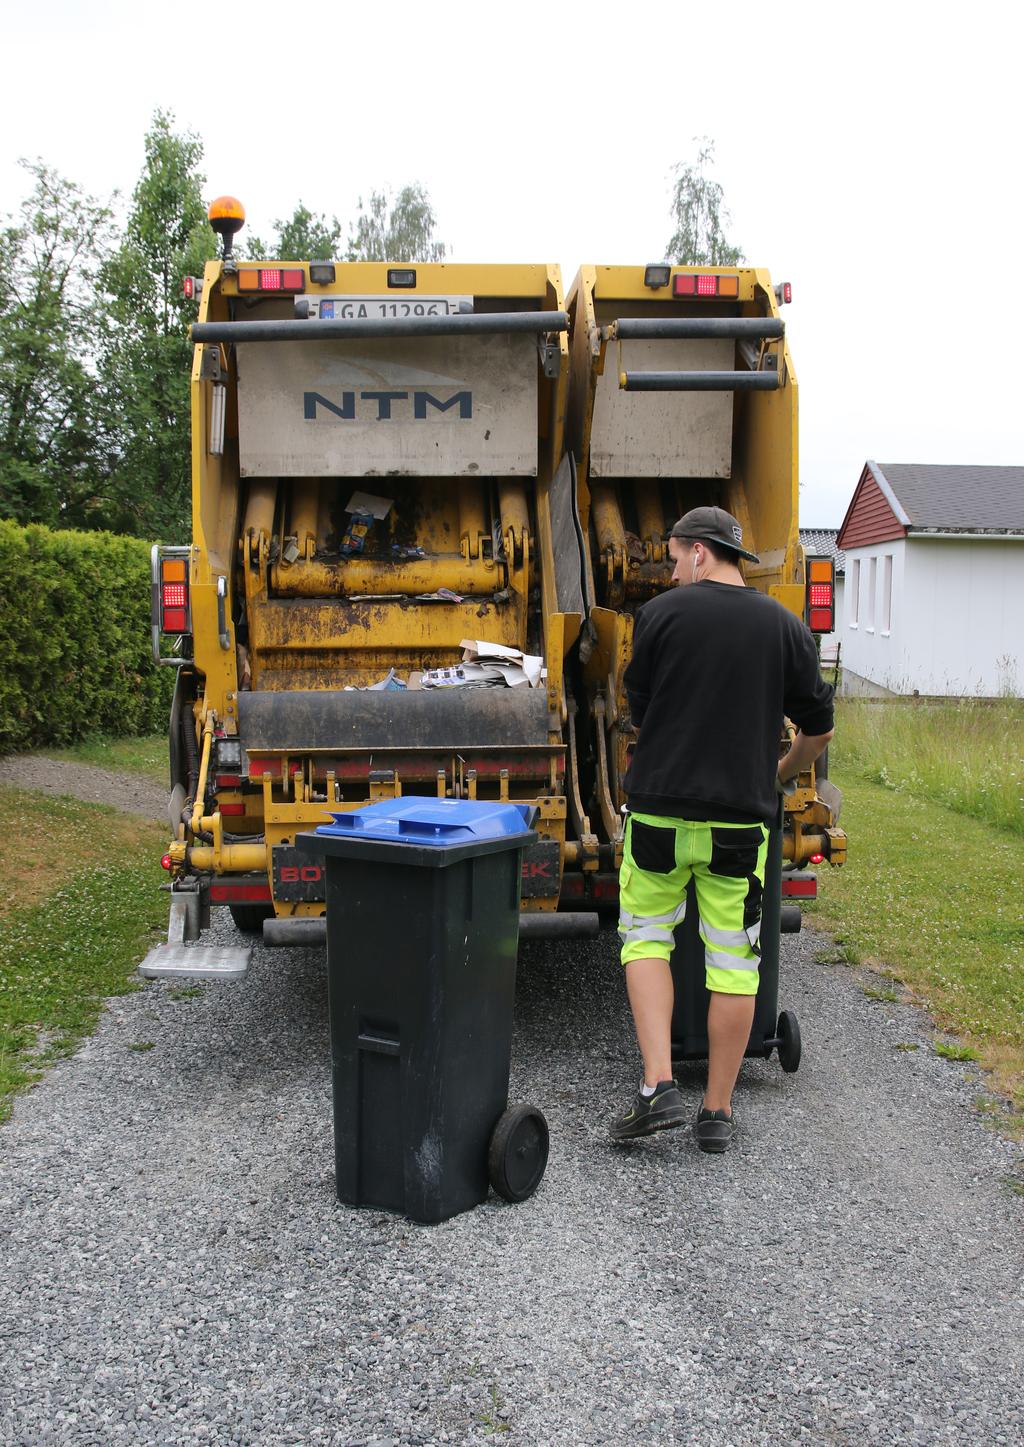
(716, 666)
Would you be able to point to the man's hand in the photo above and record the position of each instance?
(805, 749)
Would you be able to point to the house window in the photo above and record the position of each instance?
(887, 593)
(872, 590)
(855, 594)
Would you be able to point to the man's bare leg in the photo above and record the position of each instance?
(651, 994)
(729, 1020)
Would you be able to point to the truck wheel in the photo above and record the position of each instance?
(518, 1152)
(788, 1032)
(249, 917)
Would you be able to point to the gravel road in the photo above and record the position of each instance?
(132, 793)
(176, 1269)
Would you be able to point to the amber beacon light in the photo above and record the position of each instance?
(227, 217)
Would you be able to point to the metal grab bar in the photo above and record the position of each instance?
(693, 328)
(699, 381)
(474, 323)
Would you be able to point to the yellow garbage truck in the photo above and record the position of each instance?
(427, 500)
(385, 578)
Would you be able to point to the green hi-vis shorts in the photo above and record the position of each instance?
(727, 864)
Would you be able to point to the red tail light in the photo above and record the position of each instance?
(821, 595)
(174, 595)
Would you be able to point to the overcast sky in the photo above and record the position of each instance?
(869, 154)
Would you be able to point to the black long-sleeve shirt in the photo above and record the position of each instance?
(714, 670)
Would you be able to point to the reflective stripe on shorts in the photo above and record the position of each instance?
(651, 928)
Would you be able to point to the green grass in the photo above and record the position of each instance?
(933, 898)
(47, 841)
(61, 957)
(146, 755)
(965, 754)
(956, 1052)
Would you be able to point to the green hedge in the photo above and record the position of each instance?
(75, 638)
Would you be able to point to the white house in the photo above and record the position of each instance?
(821, 543)
(934, 596)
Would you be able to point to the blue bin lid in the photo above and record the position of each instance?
(439, 822)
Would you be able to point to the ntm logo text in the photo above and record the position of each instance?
(416, 406)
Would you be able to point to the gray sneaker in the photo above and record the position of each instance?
(714, 1129)
(649, 1113)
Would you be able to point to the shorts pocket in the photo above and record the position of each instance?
(652, 848)
(734, 851)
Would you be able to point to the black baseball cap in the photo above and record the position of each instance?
(713, 525)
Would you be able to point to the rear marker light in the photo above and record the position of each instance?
(817, 859)
(705, 284)
(165, 862)
(188, 287)
(225, 893)
(271, 278)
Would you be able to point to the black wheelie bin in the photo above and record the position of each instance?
(770, 1030)
(422, 938)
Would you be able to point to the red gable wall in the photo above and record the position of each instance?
(869, 518)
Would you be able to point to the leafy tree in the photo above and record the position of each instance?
(50, 321)
(396, 229)
(305, 237)
(699, 239)
(148, 357)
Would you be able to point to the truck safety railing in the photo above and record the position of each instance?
(764, 375)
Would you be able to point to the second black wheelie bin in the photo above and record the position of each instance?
(770, 1030)
(422, 937)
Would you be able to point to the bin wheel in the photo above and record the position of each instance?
(249, 917)
(788, 1032)
(518, 1152)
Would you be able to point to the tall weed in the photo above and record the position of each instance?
(965, 754)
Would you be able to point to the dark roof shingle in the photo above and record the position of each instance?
(957, 499)
(821, 543)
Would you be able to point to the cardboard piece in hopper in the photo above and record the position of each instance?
(519, 668)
